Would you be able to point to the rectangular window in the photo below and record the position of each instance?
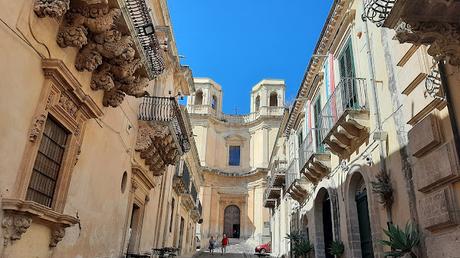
(48, 163)
(234, 156)
(172, 215)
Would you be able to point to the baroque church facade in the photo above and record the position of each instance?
(234, 153)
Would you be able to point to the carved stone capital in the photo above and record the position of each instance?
(14, 225)
(37, 128)
(443, 38)
(51, 8)
(57, 234)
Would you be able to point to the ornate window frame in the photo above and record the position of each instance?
(63, 99)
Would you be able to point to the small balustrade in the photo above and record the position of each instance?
(236, 119)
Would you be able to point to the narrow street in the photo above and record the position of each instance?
(236, 249)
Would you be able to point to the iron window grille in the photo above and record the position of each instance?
(48, 162)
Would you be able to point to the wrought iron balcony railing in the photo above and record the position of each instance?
(312, 144)
(142, 25)
(350, 94)
(377, 11)
(166, 110)
(292, 173)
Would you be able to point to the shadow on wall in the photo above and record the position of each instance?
(346, 208)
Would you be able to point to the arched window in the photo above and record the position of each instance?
(273, 99)
(257, 104)
(214, 102)
(199, 98)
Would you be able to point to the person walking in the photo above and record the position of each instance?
(224, 243)
(212, 245)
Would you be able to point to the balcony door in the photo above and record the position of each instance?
(317, 114)
(349, 98)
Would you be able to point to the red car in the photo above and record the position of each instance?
(264, 248)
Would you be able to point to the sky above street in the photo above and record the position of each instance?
(239, 42)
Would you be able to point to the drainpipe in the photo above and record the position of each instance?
(375, 100)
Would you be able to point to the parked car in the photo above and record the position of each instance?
(264, 248)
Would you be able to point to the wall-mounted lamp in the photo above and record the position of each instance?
(148, 29)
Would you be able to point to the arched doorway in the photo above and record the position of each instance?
(323, 223)
(327, 225)
(362, 207)
(232, 221)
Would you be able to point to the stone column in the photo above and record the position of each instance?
(265, 159)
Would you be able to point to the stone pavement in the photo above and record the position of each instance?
(235, 249)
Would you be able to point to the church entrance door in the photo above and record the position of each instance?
(232, 221)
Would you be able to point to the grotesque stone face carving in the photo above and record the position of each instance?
(51, 8)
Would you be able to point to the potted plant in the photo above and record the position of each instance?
(337, 248)
(402, 242)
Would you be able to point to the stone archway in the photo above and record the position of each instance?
(232, 221)
(324, 213)
(363, 228)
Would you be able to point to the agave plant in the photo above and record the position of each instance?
(401, 241)
(337, 248)
(382, 187)
(300, 246)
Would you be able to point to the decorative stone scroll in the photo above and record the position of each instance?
(57, 234)
(104, 49)
(157, 147)
(443, 38)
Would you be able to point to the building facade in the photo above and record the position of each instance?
(372, 138)
(234, 152)
(97, 158)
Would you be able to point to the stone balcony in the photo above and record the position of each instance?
(296, 185)
(314, 158)
(181, 179)
(162, 136)
(345, 117)
(275, 184)
(421, 22)
(116, 39)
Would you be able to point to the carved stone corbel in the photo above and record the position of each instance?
(57, 234)
(113, 97)
(14, 225)
(443, 38)
(51, 8)
(37, 127)
(102, 79)
(72, 36)
(135, 88)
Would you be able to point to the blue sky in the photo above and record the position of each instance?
(239, 42)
